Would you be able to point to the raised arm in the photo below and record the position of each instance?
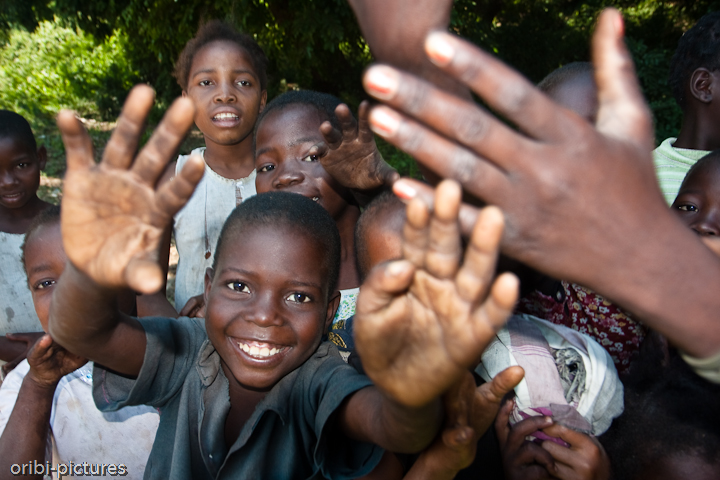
(581, 202)
(422, 322)
(113, 217)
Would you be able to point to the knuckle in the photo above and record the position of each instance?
(469, 129)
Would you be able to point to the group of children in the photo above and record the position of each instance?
(345, 332)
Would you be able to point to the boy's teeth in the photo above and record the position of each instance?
(223, 116)
(256, 351)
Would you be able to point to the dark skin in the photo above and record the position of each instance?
(701, 112)
(227, 94)
(25, 436)
(113, 245)
(537, 174)
(289, 149)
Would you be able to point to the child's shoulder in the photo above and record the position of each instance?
(184, 158)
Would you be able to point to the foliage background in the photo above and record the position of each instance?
(85, 55)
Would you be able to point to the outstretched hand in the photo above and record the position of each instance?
(353, 159)
(422, 322)
(49, 362)
(113, 215)
(557, 171)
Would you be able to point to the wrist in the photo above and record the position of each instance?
(39, 384)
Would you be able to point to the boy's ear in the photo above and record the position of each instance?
(209, 274)
(184, 93)
(263, 100)
(42, 157)
(701, 85)
(332, 307)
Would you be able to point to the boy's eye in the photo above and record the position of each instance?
(298, 298)
(238, 287)
(205, 83)
(23, 165)
(687, 208)
(44, 284)
(311, 158)
(244, 83)
(266, 168)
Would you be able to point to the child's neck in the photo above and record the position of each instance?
(698, 133)
(349, 277)
(242, 406)
(18, 220)
(230, 161)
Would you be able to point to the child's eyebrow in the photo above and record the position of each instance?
(214, 70)
(39, 268)
(253, 274)
(293, 143)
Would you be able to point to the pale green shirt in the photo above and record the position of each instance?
(671, 166)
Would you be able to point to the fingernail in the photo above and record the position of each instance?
(440, 51)
(619, 25)
(404, 191)
(382, 82)
(395, 269)
(384, 122)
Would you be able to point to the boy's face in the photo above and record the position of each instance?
(384, 237)
(698, 201)
(288, 146)
(578, 94)
(226, 91)
(44, 263)
(20, 168)
(267, 304)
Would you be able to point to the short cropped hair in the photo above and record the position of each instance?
(699, 47)
(218, 31)
(324, 103)
(45, 217)
(283, 209)
(13, 125)
(382, 204)
(565, 73)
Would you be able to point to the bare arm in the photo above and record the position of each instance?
(557, 170)
(113, 217)
(26, 433)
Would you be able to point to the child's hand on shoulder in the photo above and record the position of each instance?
(584, 459)
(422, 322)
(353, 159)
(49, 362)
(113, 213)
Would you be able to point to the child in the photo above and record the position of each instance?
(573, 87)
(46, 407)
(252, 392)
(20, 165)
(289, 147)
(224, 73)
(694, 84)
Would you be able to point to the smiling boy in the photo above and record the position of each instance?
(253, 393)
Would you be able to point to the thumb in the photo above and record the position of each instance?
(494, 391)
(144, 275)
(622, 112)
(383, 284)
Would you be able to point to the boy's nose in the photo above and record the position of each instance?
(265, 312)
(707, 226)
(225, 94)
(288, 177)
(7, 179)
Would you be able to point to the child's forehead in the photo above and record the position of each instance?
(290, 125)
(44, 244)
(13, 146)
(217, 53)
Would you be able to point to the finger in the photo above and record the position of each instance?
(165, 141)
(41, 347)
(501, 87)
(444, 248)
(478, 269)
(491, 316)
(123, 143)
(456, 437)
(622, 111)
(175, 193)
(530, 452)
(191, 306)
(415, 232)
(144, 275)
(406, 189)
(78, 146)
(331, 135)
(502, 422)
(382, 285)
(524, 428)
(365, 134)
(442, 156)
(489, 395)
(459, 400)
(348, 124)
(576, 440)
(559, 453)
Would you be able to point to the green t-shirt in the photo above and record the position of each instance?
(671, 166)
(290, 435)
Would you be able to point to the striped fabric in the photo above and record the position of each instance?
(671, 166)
